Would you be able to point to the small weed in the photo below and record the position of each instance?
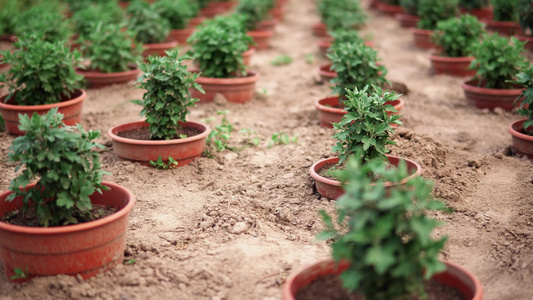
(160, 164)
(280, 138)
(282, 60)
(130, 262)
(20, 274)
(251, 136)
(309, 58)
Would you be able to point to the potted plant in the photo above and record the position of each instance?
(252, 12)
(8, 15)
(383, 245)
(409, 17)
(505, 17)
(68, 221)
(430, 13)
(337, 14)
(526, 23)
(44, 21)
(478, 8)
(496, 63)
(178, 14)
(111, 55)
(150, 28)
(456, 37)
(217, 7)
(368, 123)
(87, 17)
(42, 76)
(356, 65)
(390, 7)
(217, 48)
(166, 138)
(522, 130)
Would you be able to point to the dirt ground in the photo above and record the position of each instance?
(234, 226)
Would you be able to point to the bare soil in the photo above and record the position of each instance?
(236, 225)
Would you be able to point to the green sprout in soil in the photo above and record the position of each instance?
(281, 138)
(282, 60)
(160, 164)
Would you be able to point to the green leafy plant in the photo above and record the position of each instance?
(497, 61)
(149, 27)
(218, 45)
(77, 5)
(505, 10)
(473, 4)
(86, 18)
(253, 12)
(337, 14)
(384, 233)
(167, 99)
(525, 8)
(456, 36)
(367, 124)
(433, 11)
(41, 72)
(64, 165)
(281, 138)
(43, 21)
(8, 15)
(219, 137)
(282, 60)
(341, 36)
(160, 164)
(410, 6)
(525, 78)
(178, 13)
(109, 49)
(356, 66)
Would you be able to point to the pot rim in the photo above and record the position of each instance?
(325, 70)
(470, 86)
(320, 26)
(91, 73)
(114, 136)
(250, 51)
(399, 104)
(502, 23)
(184, 30)
(26, 108)
(76, 227)
(287, 293)
(251, 77)
(313, 172)
(260, 33)
(517, 134)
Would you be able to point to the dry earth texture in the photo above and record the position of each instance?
(235, 225)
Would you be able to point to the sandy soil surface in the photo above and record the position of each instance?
(234, 226)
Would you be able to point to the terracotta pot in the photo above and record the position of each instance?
(454, 276)
(158, 48)
(455, 66)
(390, 10)
(503, 28)
(320, 30)
(267, 25)
(210, 12)
(261, 38)
(99, 80)
(277, 13)
(195, 22)
(226, 5)
(71, 109)
(326, 75)
(480, 13)
(143, 151)
(374, 3)
(214, 8)
(407, 21)
(422, 38)
(528, 40)
(329, 112)
(490, 98)
(522, 142)
(124, 4)
(332, 189)
(247, 56)
(10, 38)
(85, 249)
(237, 90)
(180, 35)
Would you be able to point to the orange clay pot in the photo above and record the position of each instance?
(407, 21)
(503, 28)
(454, 66)
(320, 30)
(158, 48)
(180, 35)
(422, 38)
(99, 80)
(85, 249)
(247, 56)
(391, 10)
(522, 142)
(261, 38)
(483, 97)
(237, 90)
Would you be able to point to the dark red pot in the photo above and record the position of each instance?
(522, 142)
(237, 90)
(267, 25)
(422, 38)
(180, 35)
(320, 30)
(158, 48)
(407, 21)
(490, 98)
(480, 13)
(143, 151)
(504, 28)
(194, 22)
(390, 10)
(332, 189)
(326, 75)
(528, 40)
(261, 38)
(99, 80)
(455, 66)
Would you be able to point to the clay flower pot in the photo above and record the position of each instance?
(483, 97)
(99, 80)
(143, 151)
(332, 189)
(180, 35)
(10, 38)
(268, 25)
(480, 13)
(194, 22)
(320, 30)
(326, 75)
(277, 13)
(85, 249)
(455, 66)
(528, 40)
(390, 10)
(407, 21)
(454, 276)
(247, 56)
(158, 48)
(70, 108)
(522, 142)
(237, 90)
(261, 38)
(503, 28)
(422, 38)
(329, 110)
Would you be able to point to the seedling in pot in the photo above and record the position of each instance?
(525, 78)
(457, 36)
(433, 11)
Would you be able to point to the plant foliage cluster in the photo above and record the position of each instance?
(337, 14)
(86, 18)
(341, 36)
(433, 11)
(149, 27)
(505, 10)
(178, 13)
(525, 9)
(410, 6)
(253, 12)
(45, 21)
(525, 78)
(473, 4)
(457, 36)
